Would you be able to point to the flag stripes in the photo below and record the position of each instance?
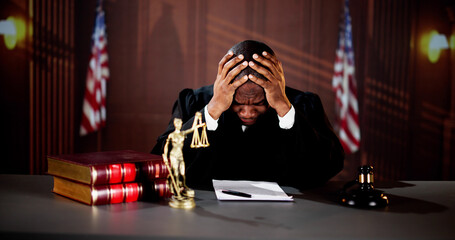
(345, 87)
(94, 105)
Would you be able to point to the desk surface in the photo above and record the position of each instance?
(417, 210)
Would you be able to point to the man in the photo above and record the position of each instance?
(258, 128)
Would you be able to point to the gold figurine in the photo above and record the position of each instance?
(183, 196)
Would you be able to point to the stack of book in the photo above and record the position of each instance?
(109, 177)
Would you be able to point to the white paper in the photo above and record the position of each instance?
(259, 191)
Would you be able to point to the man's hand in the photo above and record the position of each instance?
(274, 84)
(223, 89)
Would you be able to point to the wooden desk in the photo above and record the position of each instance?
(417, 210)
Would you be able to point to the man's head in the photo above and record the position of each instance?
(249, 99)
(247, 48)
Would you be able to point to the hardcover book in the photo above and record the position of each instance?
(112, 193)
(111, 167)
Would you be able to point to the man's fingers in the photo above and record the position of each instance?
(261, 82)
(237, 83)
(266, 73)
(235, 71)
(269, 62)
(231, 63)
(275, 61)
(224, 60)
(271, 57)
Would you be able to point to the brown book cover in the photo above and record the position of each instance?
(110, 167)
(113, 193)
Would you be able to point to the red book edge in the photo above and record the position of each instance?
(112, 167)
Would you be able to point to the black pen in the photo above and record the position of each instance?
(236, 193)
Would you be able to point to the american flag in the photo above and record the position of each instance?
(345, 87)
(94, 106)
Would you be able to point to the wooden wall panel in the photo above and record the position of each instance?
(432, 91)
(386, 99)
(51, 84)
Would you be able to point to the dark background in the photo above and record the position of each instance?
(157, 47)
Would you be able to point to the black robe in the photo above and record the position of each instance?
(304, 156)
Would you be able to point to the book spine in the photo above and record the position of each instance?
(116, 193)
(154, 170)
(127, 172)
(130, 192)
(160, 189)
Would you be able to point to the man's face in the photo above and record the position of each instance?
(249, 103)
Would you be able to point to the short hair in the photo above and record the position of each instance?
(247, 48)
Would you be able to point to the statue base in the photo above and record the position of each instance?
(182, 202)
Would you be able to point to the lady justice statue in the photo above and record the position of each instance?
(183, 196)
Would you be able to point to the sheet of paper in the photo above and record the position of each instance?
(259, 191)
